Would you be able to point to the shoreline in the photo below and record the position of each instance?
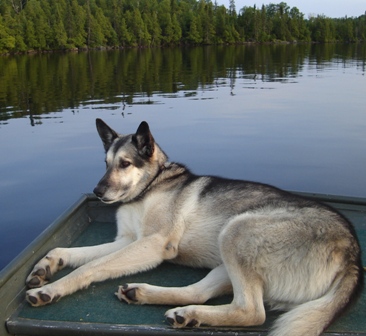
(107, 48)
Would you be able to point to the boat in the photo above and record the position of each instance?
(97, 311)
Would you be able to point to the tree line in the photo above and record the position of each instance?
(73, 24)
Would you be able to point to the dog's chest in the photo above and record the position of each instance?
(129, 221)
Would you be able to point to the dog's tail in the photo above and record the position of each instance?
(312, 317)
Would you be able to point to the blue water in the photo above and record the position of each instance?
(303, 131)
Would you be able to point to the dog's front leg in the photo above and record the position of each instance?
(59, 258)
(141, 255)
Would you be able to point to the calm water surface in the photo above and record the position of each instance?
(292, 116)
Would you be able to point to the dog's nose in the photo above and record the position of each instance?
(98, 192)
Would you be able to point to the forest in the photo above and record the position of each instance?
(43, 25)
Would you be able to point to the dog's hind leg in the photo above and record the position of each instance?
(216, 283)
(59, 258)
(247, 307)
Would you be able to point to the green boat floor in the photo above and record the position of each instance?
(98, 304)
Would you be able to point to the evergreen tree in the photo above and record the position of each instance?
(106, 28)
(74, 23)
(232, 8)
(265, 25)
(152, 27)
(125, 37)
(205, 13)
(166, 23)
(361, 28)
(95, 36)
(297, 25)
(220, 24)
(37, 27)
(323, 29)
(280, 23)
(7, 41)
(177, 31)
(59, 35)
(139, 28)
(12, 31)
(193, 35)
(246, 20)
(184, 15)
(345, 30)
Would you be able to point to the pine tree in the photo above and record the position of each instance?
(125, 38)
(176, 30)
(265, 25)
(74, 23)
(220, 24)
(205, 13)
(12, 32)
(193, 34)
(170, 28)
(95, 37)
(322, 29)
(7, 41)
(137, 28)
(153, 27)
(106, 28)
(59, 36)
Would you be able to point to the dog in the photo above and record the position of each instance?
(262, 244)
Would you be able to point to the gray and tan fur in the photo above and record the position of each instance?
(263, 244)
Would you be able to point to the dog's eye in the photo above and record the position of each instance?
(124, 164)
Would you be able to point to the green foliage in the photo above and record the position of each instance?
(74, 23)
(7, 41)
(68, 24)
(194, 35)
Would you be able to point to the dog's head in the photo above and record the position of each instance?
(133, 161)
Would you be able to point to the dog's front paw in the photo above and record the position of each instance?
(41, 296)
(129, 293)
(39, 276)
(44, 269)
(181, 317)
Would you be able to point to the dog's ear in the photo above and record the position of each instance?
(106, 134)
(144, 140)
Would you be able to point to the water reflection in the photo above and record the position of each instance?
(34, 85)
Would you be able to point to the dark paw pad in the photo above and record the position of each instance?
(33, 300)
(34, 282)
(41, 272)
(131, 294)
(44, 297)
(180, 319)
(170, 320)
(192, 323)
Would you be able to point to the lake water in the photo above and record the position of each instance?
(289, 115)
